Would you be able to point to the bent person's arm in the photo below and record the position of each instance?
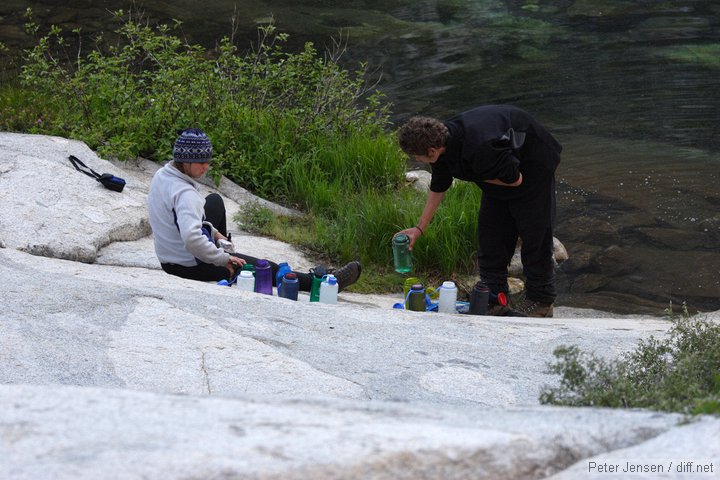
(434, 199)
(516, 183)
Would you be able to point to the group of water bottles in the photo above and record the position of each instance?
(259, 278)
(419, 300)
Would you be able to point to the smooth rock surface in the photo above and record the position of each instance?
(88, 433)
(109, 326)
(38, 181)
(110, 368)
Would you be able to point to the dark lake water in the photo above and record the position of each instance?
(631, 89)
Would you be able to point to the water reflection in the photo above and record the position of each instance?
(642, 219)
(630, 88)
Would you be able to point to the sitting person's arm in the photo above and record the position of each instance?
(189, 213)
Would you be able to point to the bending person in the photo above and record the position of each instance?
(512, 158)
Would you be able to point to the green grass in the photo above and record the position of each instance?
(22, 109)
(340, 226)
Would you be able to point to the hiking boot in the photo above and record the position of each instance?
(533, 308)
(497, 310)
(347, 274)
(498, 305)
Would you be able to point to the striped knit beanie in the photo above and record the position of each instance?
(192, 146)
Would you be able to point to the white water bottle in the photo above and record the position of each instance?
(448, 297)
(328, 289)
(246, 281)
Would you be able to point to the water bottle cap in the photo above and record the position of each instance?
(246, 274)
(248, 267)
(481, 287)
(283, 264)
(502, 299)
(417, 287)
(401, 238)
(262, 263)
(448, 284)
(291, 276)
(330, 279)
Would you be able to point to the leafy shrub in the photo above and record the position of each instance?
(263, 109)
(256, 218)
(680, 373)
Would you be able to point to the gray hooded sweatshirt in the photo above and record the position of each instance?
(176, 211)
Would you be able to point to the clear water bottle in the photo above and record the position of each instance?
(263, 277)
(246, 281)
(416, 298)
(402, 256)
(289, 286)
(328, 289)
(226, 245)
(448, 297)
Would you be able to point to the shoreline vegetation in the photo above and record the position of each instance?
(293, 127)
(677, 373)
(301, 131)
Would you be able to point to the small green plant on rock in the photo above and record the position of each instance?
(680, 373)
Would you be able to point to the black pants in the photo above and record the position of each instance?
(215, 214)
(530, 216)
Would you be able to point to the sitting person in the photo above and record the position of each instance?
(187, 228)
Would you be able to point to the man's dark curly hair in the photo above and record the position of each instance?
(422, 133)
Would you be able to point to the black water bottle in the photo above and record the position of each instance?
(479, 298)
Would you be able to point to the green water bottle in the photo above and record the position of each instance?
(402, 256)
(317, 276)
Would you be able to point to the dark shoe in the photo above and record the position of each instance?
(532, 308)
(497, 310)
(347, 275)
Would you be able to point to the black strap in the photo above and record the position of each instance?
(108, 180)
(91, 173)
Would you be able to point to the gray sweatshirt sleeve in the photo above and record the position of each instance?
(189, 212)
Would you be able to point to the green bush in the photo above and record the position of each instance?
(680, 373)
(263, 108)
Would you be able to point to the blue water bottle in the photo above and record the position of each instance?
(263, 277)
(290, 286)
(283, 268)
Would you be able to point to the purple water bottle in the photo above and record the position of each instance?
(290, 286)
(263, 277)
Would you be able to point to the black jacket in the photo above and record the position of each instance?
(496, 142)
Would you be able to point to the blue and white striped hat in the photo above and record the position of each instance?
(192, 146)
